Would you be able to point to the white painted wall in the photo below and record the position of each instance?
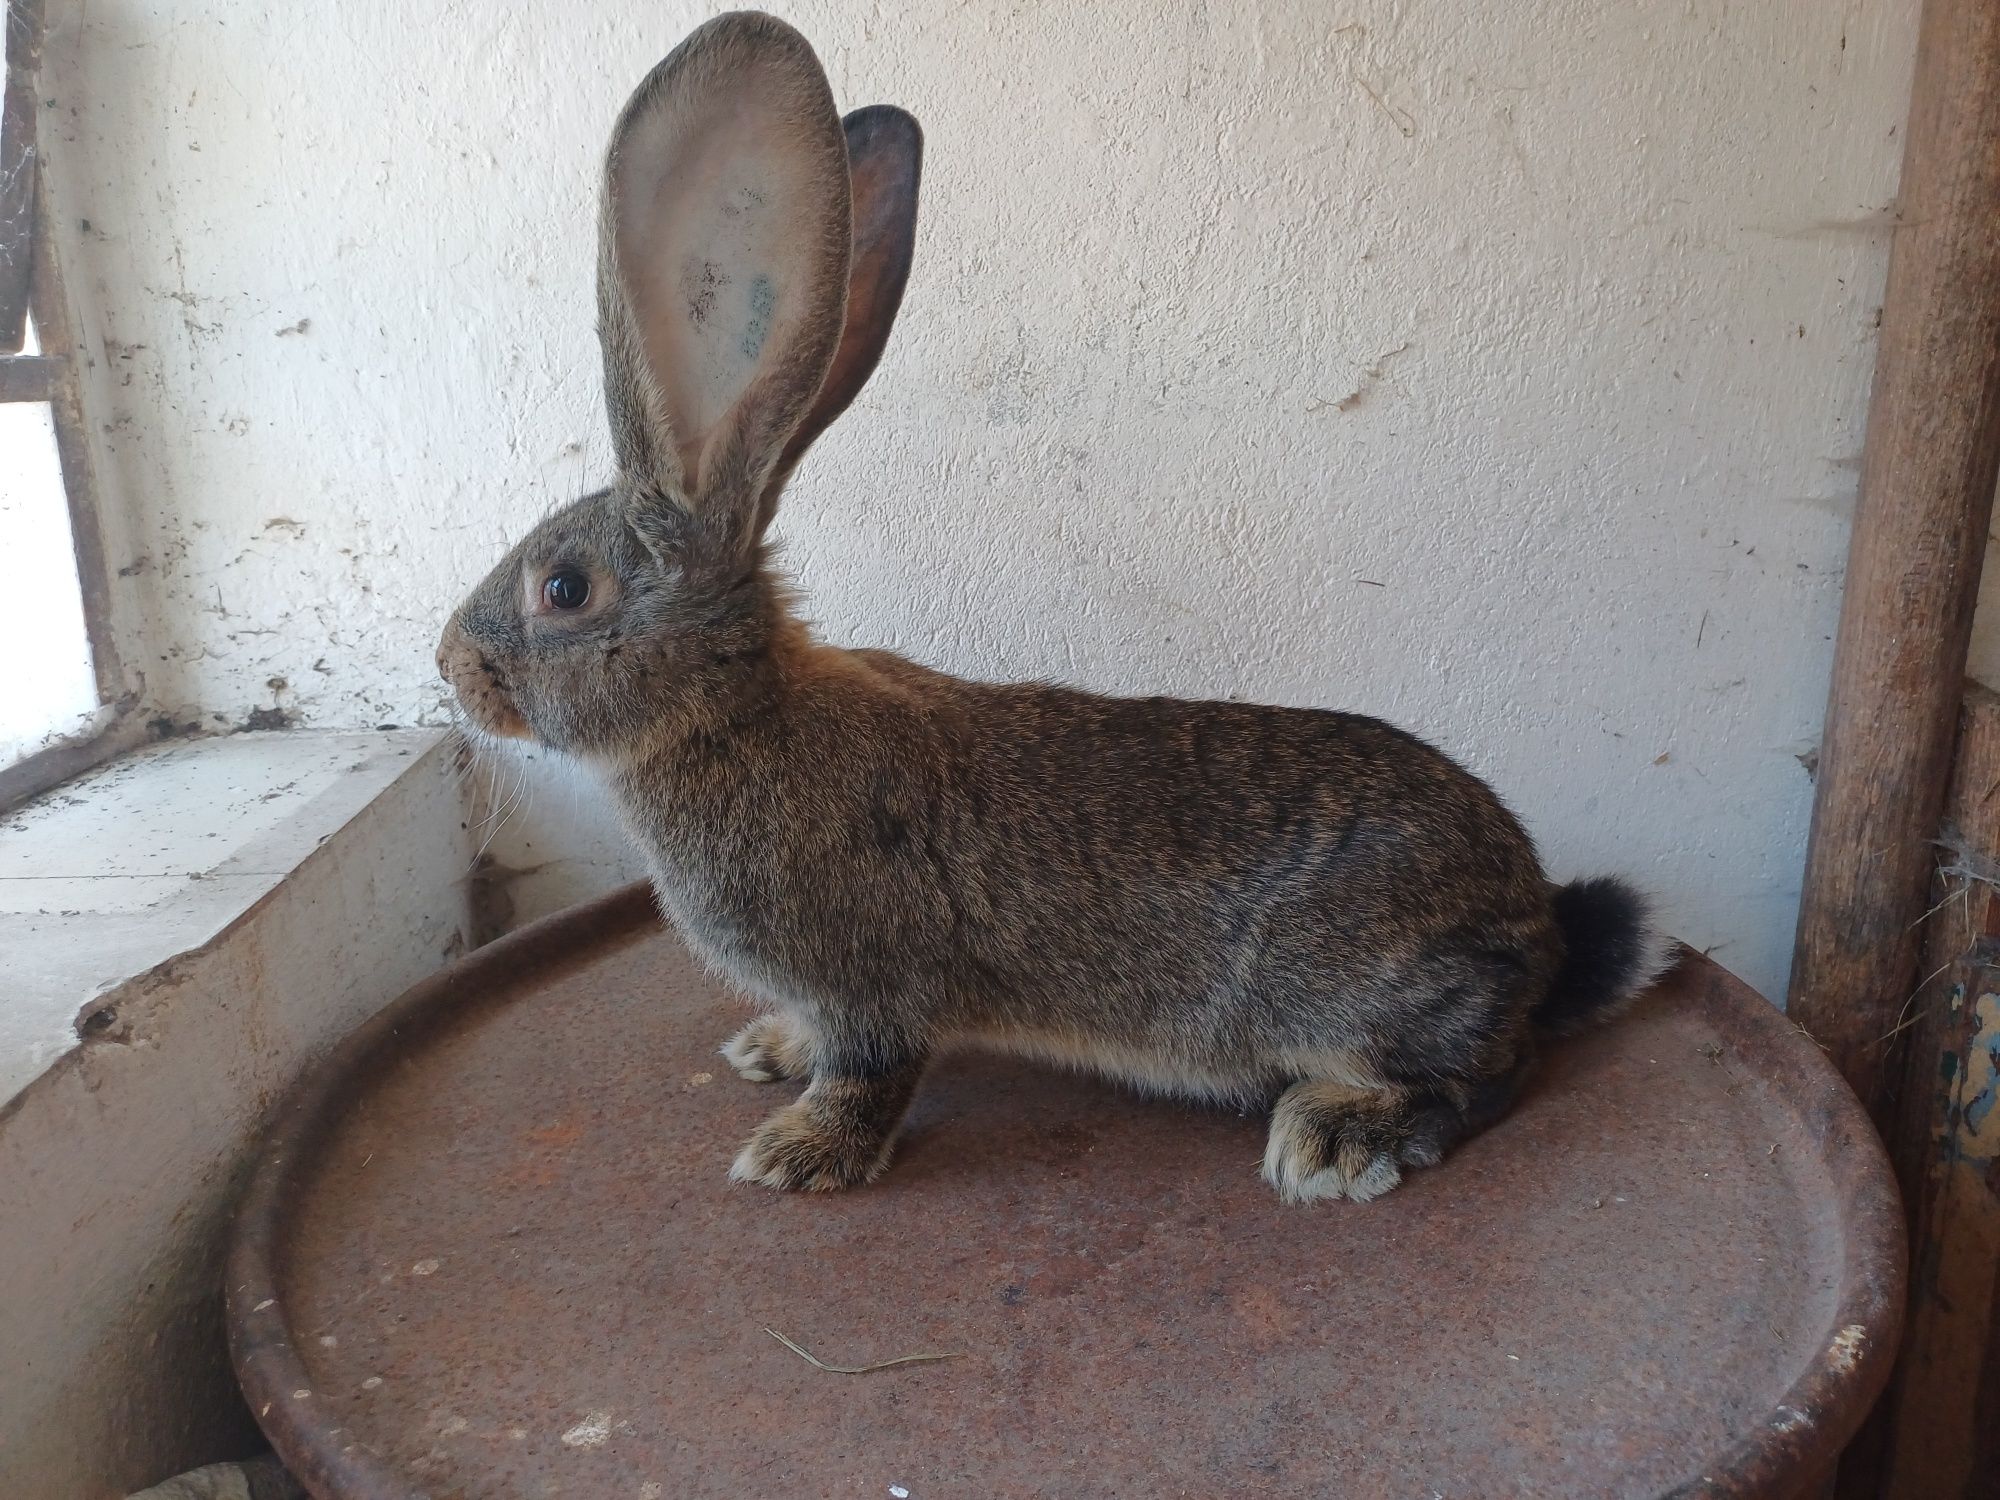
(1497, 366)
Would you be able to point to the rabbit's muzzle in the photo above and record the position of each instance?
(481, 689)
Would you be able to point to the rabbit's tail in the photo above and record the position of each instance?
(1615, 950)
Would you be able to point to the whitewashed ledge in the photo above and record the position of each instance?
(181, 933)
(157, 855)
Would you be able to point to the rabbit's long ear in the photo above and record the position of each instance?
(885, 152)
(722, 278)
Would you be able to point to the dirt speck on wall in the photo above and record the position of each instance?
(1140, 428)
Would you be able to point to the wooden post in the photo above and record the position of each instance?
(1943, 1405)
(1927, 478)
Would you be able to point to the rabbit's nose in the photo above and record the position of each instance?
(454, 654)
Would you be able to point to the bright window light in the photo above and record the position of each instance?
(47, 690)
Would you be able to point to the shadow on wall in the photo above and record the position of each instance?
(544, 836)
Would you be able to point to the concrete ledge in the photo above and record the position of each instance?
(155, 855)
(220, 912)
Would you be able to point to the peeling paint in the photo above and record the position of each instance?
(1979, 1089)
(594, 1431)
(1789, 1419)
(1846, 1347)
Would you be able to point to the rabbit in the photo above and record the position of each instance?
(1299, 909)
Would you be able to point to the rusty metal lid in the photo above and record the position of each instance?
(490, 1251)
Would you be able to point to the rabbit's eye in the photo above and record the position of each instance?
(566, 589)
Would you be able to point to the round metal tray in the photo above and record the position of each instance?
(490, 1250)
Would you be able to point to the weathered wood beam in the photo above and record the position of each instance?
(29, 377)
(1943, 1406)
(1929, 466)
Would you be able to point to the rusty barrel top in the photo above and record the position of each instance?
(490, 1251)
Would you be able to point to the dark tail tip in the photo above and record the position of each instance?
(1615, 951)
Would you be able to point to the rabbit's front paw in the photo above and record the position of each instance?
(837, 1135)
(799, 1151)
(769, 1048)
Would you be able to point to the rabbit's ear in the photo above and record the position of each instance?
(885, 152)
(722, 278)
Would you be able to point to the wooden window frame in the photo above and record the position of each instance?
(31, 287)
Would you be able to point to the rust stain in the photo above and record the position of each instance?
(544, 1147)
(559, 1136)
(1264, 1314)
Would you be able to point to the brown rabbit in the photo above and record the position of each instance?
(1218, 900)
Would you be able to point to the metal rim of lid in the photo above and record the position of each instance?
(1836, 1390)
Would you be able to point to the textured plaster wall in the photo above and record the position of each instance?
(1494, 367)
